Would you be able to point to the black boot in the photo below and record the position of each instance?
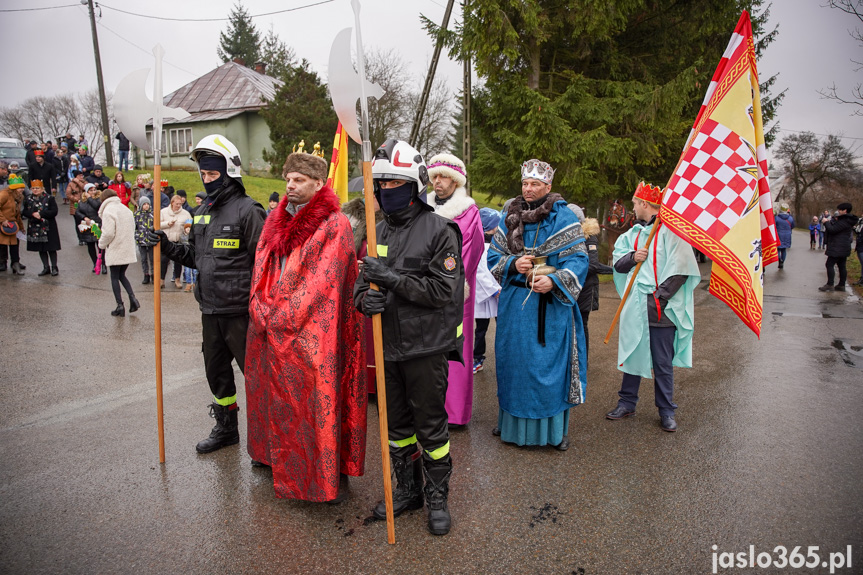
(120, 311)
(224, 433)
(146, 279)
(45, 271)
(17, 269)
(55, 270)
(437, 474)
(408, 494)
(133, 304)
(3, 266)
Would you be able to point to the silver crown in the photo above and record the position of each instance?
(537, 170)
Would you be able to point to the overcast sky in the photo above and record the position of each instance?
(50, 52)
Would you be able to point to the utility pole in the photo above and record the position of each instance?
(466, 86)
(106, 128)
(418, 119)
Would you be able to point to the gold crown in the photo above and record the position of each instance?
(300, 149)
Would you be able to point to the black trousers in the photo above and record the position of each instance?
(416, 392)
(662, 353)
(224, 340)
(118, 276)
(178, 268)
(479, 337)
(585, 315)
(839, 263)
(6, 251)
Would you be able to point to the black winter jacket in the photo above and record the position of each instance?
(424, 312)
(222, 248)
(839, 232)
(88, 209)
(588, 299)
(45, 173)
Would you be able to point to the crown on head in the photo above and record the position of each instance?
(537, 170)
(648, 193)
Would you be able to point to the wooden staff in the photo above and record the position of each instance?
(372, 250)
(656, 225)
(157, 299)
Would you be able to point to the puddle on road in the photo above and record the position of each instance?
(835, 308)
(850, 352)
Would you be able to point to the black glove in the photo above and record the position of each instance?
(159, 236)
(374, 302)
(377, 272)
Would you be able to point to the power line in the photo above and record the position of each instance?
(37, 9)
(144, 50)
(825, 135)
(103, 5)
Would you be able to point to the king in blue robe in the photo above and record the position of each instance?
(540, 349)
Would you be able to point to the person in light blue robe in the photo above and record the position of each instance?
(540, 351)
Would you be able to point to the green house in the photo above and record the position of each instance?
(224, 101)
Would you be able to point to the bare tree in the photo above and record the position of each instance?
(812, 166)
(389, 117)
(48, 118)
(854, 8)
(435, 133)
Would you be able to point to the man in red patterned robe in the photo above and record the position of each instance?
(305, 362)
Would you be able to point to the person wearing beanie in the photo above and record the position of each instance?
(450, 200)
(274, 201)
(99, 179)
(221, 245)
(305, 270)
(143, 227)
(656, 323)
(839, 230)
(43, 237)
(487, 289)
(11, 198)
(784, 226)
(540, 351)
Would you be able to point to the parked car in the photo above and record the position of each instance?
(16, 154)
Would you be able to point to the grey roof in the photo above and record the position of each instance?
(223, 93)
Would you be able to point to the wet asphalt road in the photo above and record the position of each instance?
(769, 452)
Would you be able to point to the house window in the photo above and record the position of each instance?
(181, 141)
(164, 141)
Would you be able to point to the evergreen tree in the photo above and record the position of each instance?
(241, 39)
(605, 92)
(300, 110)
(278, 57)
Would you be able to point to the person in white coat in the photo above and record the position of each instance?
(118, 241)
(487, 290)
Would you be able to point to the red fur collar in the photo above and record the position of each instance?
(283, 232)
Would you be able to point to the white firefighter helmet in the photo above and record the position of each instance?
(220, 146)
(397, 160)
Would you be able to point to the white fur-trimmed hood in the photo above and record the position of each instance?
(455, 206)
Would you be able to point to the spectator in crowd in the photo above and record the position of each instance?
(123, 149)
(118, 241)
(43, 237)
(825, 217)
(839, 232)
(173, 220)
(86, 161)
(86, 215)
(43, 171)
(814, 230)
(70, 142)
(61, 167)
(11, 198)
(30, 155)
(4, 173)
(121, 187)
(784, 226)
(98, 179)
(274, 202)
(143, 226)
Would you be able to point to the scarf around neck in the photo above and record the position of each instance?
(523, 212)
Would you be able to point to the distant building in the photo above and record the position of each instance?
(224, 101)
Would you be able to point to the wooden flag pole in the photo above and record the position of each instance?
(623, 299)
(157, 303)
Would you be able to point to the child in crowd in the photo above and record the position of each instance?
(144, 224)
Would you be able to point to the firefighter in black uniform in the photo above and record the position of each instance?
(221, 247)
(421, 279)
